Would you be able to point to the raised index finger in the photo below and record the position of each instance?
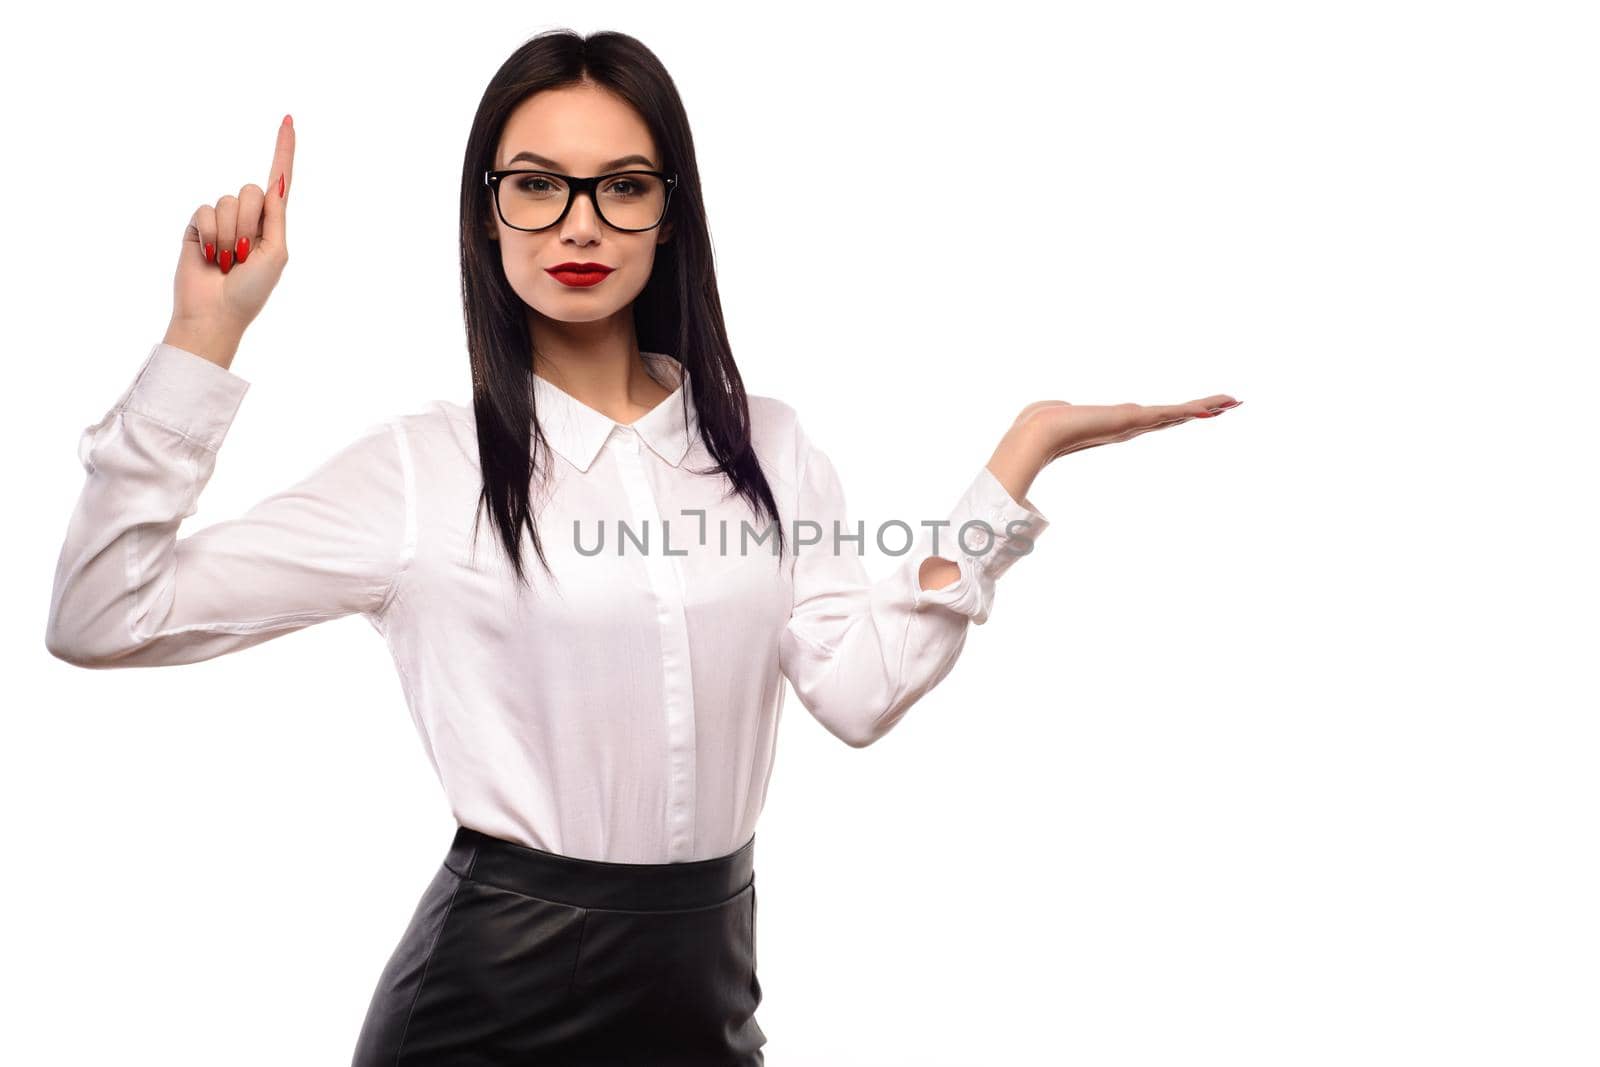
(284, 155)
(282, 174)
(278, 182)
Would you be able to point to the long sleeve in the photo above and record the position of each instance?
(860, 653)
(129, 592)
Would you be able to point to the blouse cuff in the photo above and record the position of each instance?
(980, 557)
(186, 393)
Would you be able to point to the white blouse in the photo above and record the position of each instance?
(626, 712)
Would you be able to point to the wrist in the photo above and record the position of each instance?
(1017, 460)
(213, 341)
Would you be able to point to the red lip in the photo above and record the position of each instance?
(579, 274)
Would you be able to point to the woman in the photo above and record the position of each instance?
(603, 723)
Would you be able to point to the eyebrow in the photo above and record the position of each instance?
(533, 157)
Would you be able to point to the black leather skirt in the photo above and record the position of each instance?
(520, 956)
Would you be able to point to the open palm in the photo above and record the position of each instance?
(1066, 427)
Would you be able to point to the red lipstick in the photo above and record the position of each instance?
(579, 274)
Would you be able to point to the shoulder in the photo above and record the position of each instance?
(768, 414)
(434, 416)
(423, 435)
(781, 421)
(776, 432)
(436, 420)
(774, 425)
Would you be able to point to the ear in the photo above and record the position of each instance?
(665, 233)
(491, 230)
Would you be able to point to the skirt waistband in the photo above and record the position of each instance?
(599, 884)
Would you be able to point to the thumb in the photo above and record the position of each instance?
(278, 183)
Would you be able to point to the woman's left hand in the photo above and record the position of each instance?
(1058, 427)
(1049, 429)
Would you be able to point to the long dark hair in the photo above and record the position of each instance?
(678, 313)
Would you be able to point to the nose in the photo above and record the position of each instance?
(582, 221)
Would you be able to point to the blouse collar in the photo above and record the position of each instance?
(577, 431)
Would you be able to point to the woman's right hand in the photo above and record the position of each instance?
(233, 254)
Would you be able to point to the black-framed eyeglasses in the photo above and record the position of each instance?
(628, 200)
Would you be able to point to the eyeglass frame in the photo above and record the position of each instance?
(576, 185)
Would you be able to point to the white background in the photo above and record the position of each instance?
(1280, 750)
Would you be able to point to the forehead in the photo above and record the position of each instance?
(581, 126)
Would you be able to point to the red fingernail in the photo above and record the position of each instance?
(243, 251)
(1204, 414)
(280, 187)
(211, 252)
(225, 260)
